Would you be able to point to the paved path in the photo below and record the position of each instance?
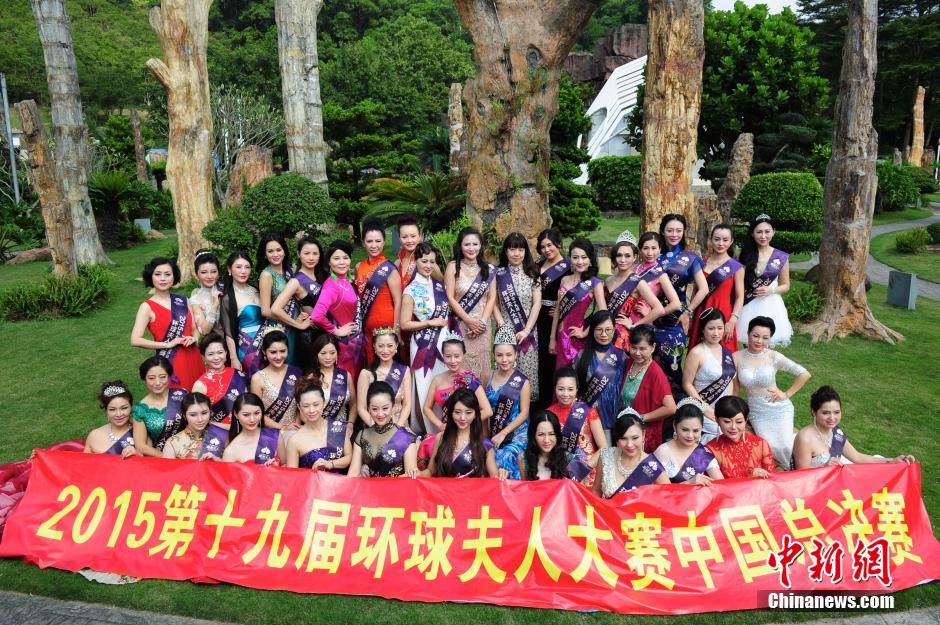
(20, 609)
(877, 270)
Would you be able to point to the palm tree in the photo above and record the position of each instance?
(436, 199)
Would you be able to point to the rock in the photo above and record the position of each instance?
(897, 156)
(581, 67)
(40, 253)
(739, 172)
(619, 46)
(155, 235)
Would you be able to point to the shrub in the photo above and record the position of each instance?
(145, 201)
(23, 222)
(58, 296)
(228, 233)
(789, 242)
(922, 178)
(793, 200)
(896, 188)
(803, 301)
(616, 182)
(912, 241)
(934, 231)
(444, 240)
(288, 203)
(580, 216)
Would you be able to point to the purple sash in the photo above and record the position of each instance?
(838, 442)
(396, 374)
(722, 273)
(465, 465)
(371, 290)
(679, 269)
(335, 438)
(574, 296)
(714, 390)
(214, 441)
(651, 273)
(267, 445)
(508, 398)
(695, 464)
(472, 297)
(645, 473)
(236, 386)
(126, 440)
(618, 297)
(310, 285)
(251, 348)
(337, 395)
(179, 313)
(578, 469)
(173, 418)
(774, 266)
(573, 424)
(556, 272)
(285, 395)
(426, 339)
(606, 370)
(392, 453)
(517, 316)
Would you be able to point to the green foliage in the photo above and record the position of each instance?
(922, 178)
(445, 240)
(228, 233)
(57, 296)
(608, 16)
(793, 200)
(896, 188)
(913, 241)
(108, 188)
(803, 300)
(433, 198)
(7, 243)
(934, 231)
(434, 149)
(787, 240)
(116, 139)
(142, 200)
(616, 182)
(23, 223)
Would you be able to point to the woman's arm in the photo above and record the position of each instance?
(597, 488)
(292, 455)
(490, 302)
(432, 465)
(600, 300)
(859, 458)
(689, 369)
(737, 305)
(597, 431)
(355, 462)
(169, 451)
(533, 319)
(407, 395)
(328, 296)
(714, 472)
(491, 469)
(202, 326)
(293, 289)
(450, 285)
(265, 286)
(553, 340)
(142, 441)
(411, 461)
(667, 409)
(394, 285)
(802, 453)
(144, 317)
(782, 363)
(428, 408)
(662, 478)
(520, 462)
(656, 307)
(671, 296)
(362, 386)
(352, 406)
(486, 411)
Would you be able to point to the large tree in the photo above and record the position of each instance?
(851, 183)
(68, 121)
(519, 47)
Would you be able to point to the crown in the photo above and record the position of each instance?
(690, 401)
(630, 411)
(114, 391)
(762, 217)
(626, 237)
(383, 330)
(448, 335)
(505, 336)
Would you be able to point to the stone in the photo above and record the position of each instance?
(155, 235)
(902, 289)
(28, 256)
(581, 67)
(739, 172)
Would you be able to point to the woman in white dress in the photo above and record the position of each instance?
(708, 373)
(771, 411)
(766, 279)
(424, 314)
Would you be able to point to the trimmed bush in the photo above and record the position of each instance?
(789, 242)
(803, 301)
(616, 182)
(934, 231)
(922, 178)
(896, 188)
(912, 241)
(793, 200)
(58, 296)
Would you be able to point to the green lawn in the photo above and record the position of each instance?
(931, 197)
(908, 214)
(52, 369)
(925, 265)
(610, 229)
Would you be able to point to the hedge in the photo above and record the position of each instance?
(793, 200)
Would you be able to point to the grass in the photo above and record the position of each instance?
(908, 214)
(931, 197)
(925, 265)
(51, 371)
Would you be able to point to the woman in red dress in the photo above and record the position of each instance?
(645, 387)
(169, 319)
(739, 453)
(220, 383)
(378, 284)
(725, 278)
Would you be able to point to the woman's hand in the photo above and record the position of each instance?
(475, 326)
(623, 320)
(730, 327)
(909, 459)
(437, 322)
(762, 290)
(642, 308)
(684, 320)
(760, 472)
(129, 451)
(237, 365)
(295, 425)
(521, 336)
(498, 439)
(188, 340)
(578, 333)
(346, 329)
(701, 479)
(551, 346)
(413, 474)
(774, 394)
(207, 456)
(502, 474)
(272, 463)
(835, 462)
(322, 464)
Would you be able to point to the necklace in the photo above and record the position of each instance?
(826, 439)
(620, 468)
(748, 353)
(633, 375)
(471, 268)
(111, 436)
(245, 290)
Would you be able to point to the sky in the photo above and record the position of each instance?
(775, 5)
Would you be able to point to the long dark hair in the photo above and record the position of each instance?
(192, 399)
(515, 241)
(272, 337)
(319, 343)
(317, 269)
(749, 253)
(458, 253)
(583, 361)
(662, 229)
(444, 460)
(553, 235)
(557, 457)
(730, 230)
(262, 257)
(587, 247)
(245, 398)
(229, 302)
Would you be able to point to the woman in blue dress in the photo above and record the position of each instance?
(600, 367)
(509, 392)
(241, 316)
(274, 271)
(317, 444)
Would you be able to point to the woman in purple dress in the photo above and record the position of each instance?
(576, 293)
(384, 449)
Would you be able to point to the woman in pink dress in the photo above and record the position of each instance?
(576, 293)
(725, 278)
(337, 309)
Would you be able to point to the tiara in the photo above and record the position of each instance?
(626, 237)
(505, 336)
(383, 330)
(114, 391)
(762, 216)
(448, 335)
(630, 411)
(690, 401)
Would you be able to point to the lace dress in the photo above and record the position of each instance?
(269, 395)
(477, 358)
(528, 361)
(207, 300)
(772, 421)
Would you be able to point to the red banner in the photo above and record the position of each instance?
(549, 544)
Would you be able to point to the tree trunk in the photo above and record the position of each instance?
(43, 177)
(68, 123)
(917, 141)
(182, 27)
(671, 106)
(519, 49)
(300, 86)
(455, 126)
(739, 172)
(139, 147)
(252, 165)
(851, 182)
